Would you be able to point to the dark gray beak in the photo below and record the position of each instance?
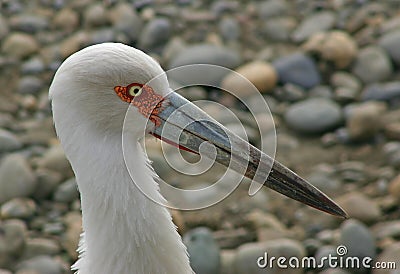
(187, 126)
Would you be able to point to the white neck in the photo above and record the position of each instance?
(124, 231)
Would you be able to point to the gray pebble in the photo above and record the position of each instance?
(356, 237)
(8, 141)
(12, 240)
(29, 23)
(313, 115)
(47, 182)
(34, 65)
(203, 54)
(16, 178)
(391, 43)
(229, 29)
(30, 85)
(42, 264)
(389, 91)
(67, 191)
(278, 29)
(124, 19)
(203, 251)
(156, 33)
(272, 8)
(323, 178)
(372, 65)
(102, 35)
(297, 69)
(317, 22)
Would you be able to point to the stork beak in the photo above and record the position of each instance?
(185, 125)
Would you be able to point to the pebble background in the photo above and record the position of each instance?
(328, 70)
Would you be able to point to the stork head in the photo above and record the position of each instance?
(99, 83)
(94, 88)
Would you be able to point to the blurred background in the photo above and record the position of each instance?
(328, 70)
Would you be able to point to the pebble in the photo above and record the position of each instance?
(66, 192)
(125, 19)
(95, 15)
(372, 65)
(247, 255)
(70, 239)
(364, 120)
(272, 8)
(278, 29)
(345, 79)
(227, 261)
(23, 208)
(388, 91)
(3, 27)
(313, 115)
(391, 42)
(16, 178)
(30, 85)
(389, 229)
(261, 74)
(19, 45)
(290, 93)
(34, 65)
(40, 246)
(336, 46)
(360, 207)
(317, 22)
(103, 35)
(390, 254)
(12, 240)
(394, 187)
(229, 29)
(203, 251)
(392, 153)
(155, 33)
(66, 19)
(42, 264)
(54, 159)
(204, 54)
(8, 141)
(358, 240)
(323, 178)
(28, 23)
(298, 69)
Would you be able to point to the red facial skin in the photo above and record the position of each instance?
(147, 102)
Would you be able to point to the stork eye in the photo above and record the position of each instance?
(135, 90)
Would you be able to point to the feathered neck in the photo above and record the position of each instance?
(124, 231)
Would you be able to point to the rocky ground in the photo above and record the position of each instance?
(328, 70)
